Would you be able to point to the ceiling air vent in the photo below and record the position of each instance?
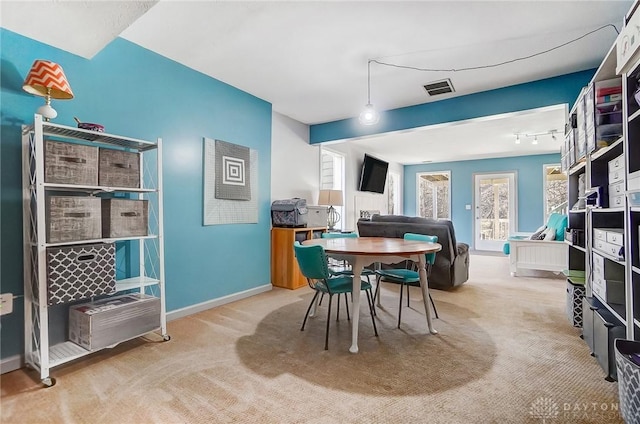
(439, 87)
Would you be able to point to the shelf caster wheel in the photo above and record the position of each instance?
(166, 337)
(49, 382)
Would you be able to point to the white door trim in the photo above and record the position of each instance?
(513, 207)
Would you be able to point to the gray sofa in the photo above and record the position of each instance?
(451, 268)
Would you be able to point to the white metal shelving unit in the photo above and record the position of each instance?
(40, 353)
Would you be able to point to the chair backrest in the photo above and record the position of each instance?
(430, 257)
(339, 235)
(312, 261)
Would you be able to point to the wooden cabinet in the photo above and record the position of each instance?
(284, 267)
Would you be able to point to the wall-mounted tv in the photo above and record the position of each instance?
(374, 174)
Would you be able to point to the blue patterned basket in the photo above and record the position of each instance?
(628, 380)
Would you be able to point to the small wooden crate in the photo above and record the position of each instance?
(73, 218)
(124, 218)
(119, 168)
(68, 163)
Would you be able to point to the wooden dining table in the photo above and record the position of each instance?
(363, 251)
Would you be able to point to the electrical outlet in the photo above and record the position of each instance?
(6, 303)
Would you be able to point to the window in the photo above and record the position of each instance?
(332, 177)
(393, 194)
(434, 194)
(555, 190)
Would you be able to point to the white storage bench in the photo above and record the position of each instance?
(541, 255)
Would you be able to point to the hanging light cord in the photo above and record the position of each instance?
(493, 65)
(369, 82)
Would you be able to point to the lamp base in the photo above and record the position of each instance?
(47, 112)
(333, 217)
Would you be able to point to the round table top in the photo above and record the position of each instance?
(380, 246)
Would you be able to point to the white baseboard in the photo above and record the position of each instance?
(199, 307)
(11, 363)
(15, 362)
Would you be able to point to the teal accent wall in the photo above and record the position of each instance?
(140, 94)
(530, 189)
(545, 92)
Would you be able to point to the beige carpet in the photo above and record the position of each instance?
(505, 354)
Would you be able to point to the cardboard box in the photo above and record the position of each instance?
(107, 322)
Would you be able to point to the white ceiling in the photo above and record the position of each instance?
(480, 138)
(309, 59)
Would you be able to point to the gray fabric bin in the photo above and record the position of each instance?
(69, 163)
(124, 218)
(73, 218)
(628, 380)
(119, 168)
(80, 272)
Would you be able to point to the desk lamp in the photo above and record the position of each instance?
(331, 198)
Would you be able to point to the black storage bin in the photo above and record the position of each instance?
(628, 379)
(588, 310)
(606, 329)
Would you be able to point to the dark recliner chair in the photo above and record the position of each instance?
(451, 268)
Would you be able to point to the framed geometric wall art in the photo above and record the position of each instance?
(230, 183)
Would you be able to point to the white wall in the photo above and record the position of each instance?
(295, 169)
(295, 164)
(356, 200)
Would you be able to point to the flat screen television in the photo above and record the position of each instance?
(374, 174)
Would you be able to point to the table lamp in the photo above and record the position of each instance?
(47, 79)
(331, 198)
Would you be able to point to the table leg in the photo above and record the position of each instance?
(424, 285)
(355, 315)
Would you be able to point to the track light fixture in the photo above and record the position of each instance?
(369, 116)
(535, 136)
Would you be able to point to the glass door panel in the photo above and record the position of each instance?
(494, 210)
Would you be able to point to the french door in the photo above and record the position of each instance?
(495, 209)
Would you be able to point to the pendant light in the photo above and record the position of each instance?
(369, 116)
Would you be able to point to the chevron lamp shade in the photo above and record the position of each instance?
(47, 79)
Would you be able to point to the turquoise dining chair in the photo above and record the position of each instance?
(345, 269)
(312, 261)
(409, 276)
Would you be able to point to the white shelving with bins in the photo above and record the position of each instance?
(41, 352)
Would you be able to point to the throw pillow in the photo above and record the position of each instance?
(549, 234)
(538, 235)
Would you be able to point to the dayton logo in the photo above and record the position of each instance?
(544, 409)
